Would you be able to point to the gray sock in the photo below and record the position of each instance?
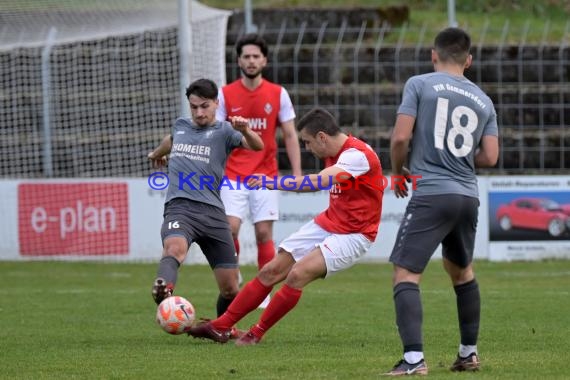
(409, 315)
(168, 269)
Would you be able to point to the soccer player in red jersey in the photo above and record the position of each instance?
(267, 106)
(334, 241)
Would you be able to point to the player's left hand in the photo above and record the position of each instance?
(239, 123)
(401, 188)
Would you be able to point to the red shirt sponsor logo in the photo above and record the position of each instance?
(261, 106)
(73, 219)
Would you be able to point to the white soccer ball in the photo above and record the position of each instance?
(175, 315)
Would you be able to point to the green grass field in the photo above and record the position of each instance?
(96, 321)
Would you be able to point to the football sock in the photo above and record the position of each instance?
(168, 269)
(249, 297)
(409, 315)
(222, 304)
(282, 302)
(413, 357)
(468, 311)
(265, 253)
(236, 245)
(465, 351)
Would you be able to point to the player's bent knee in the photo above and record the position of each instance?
(298, 278)
(178, 253)
(462, 277)
(269, 275)
(229, 292)
(176, 247)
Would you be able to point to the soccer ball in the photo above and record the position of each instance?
(175, 315)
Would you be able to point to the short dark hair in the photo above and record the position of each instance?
(319, 120)
(453, 44)
(252, 39)
(204, 88)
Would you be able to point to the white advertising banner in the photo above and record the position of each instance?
(529, 217)
(520, 218)
(8, 220)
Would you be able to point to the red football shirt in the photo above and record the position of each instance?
(266, 107)
(355, 205)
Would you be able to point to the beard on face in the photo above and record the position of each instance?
(203, 122)
(251, 76)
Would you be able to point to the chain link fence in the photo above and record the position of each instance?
(115, 97)
(358, 73)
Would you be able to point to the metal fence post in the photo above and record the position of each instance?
(563, 82)
(185, 51)
(377, 48)
(397, 73)
(315, 63)
(338, 67)
(275, 59)
(356, 69)
(480, 51)
(542, 131)
(250, 27)
(419, 45)
(298, 45)
(47, 102)
(500, 74)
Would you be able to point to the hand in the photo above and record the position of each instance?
(258, 181)
(157, 162)
(239, 123)
(401, 188)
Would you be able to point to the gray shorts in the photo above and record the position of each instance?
(204, 224)
(449, 219)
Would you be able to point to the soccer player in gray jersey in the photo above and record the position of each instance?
(193, 210)
(452, 127)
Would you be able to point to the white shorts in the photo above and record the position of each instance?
(340, 251)
(263, 204)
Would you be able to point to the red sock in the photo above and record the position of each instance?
(236, 245)
(265, 253)
(249, 297)
(281, 303)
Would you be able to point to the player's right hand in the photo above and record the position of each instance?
(239, 123)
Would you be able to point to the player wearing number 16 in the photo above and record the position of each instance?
(451, 126)
(199, 145)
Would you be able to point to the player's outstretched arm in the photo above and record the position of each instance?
(324, 180)
(158, 155)
(251, 140)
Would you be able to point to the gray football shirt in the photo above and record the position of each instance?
(198, 160)
(452, 114)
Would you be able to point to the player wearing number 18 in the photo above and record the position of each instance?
(452, 127)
